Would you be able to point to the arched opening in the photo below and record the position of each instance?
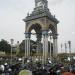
(41, 41)
(50, 43)
(33, 42)
(52, 28)
(35, 31)
(33, 35)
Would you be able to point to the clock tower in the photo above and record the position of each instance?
(42, 21)
(39, 3)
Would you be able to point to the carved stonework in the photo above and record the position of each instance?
(41, 20)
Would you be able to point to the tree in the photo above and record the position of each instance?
(32, 46)
(4, 46)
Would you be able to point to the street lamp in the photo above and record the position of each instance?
(12, 40)
(69, 42)
(65, 48)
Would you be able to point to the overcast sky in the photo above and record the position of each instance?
(13, 11)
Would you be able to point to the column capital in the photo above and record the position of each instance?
(27, 35)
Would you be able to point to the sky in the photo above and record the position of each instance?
(13, 11)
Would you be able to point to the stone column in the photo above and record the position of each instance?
(45, 46)
(50, 49)
(25, 55)
(38, 48)
(27, 45)
(55, 48)
(43, 36)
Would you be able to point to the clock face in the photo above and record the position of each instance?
(39, 4)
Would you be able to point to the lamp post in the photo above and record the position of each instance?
(66, 47)
(12, 40)
(69, 42)
(61, 48)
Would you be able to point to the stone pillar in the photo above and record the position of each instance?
(50, 48)
(45, 46)
(43, 36)
(39, 46)
(27, 45)
(55, 48)
(25, 53)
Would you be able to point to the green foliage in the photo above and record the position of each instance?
(32, 46)
(4, 46)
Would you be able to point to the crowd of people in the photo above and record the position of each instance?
(38, 69)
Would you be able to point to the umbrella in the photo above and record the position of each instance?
(67, 73)
(25, 72)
